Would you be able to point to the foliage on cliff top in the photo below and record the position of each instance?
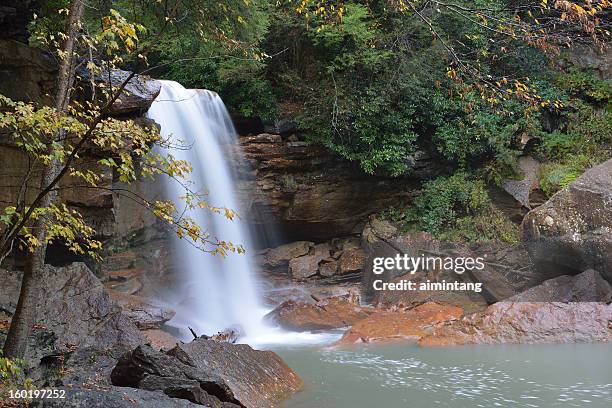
(374, 81)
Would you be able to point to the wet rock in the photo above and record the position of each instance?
(385, 326)
(572, 231)
(230, 335)
(352, 260)
(258, 379)
(525, 322)
(148, 369)
(115, 397)
(588, 286)
(331, 313)
(304, 267)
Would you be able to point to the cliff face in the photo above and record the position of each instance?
(309, 194)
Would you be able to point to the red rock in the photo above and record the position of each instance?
(400, 325)
(331, 313)
(523, 322)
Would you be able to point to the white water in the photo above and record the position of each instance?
(215, 293)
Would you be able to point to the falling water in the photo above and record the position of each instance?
(216, 293)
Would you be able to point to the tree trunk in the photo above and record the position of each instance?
(25, 314)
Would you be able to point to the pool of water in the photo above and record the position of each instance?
(401, 376)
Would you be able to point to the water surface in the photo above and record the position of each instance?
(398, 376)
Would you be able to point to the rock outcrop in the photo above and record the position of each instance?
(15, 15)
(588, 286)
(116, 397)
(258, 379)
(326, 314)
(525, 322)
(308, 193)
(77, 309)
(152, 370)
(398, 325)
(26, 74)
(572, 231)
(136, 97)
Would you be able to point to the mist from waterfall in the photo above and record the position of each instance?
(213, 293)
(217, 293)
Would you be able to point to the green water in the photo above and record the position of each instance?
(399, 376)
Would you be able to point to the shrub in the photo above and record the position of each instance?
(455, 207)
(558, 175)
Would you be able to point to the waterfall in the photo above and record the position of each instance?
(216, 293)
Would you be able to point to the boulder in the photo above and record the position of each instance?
(588, 286)
(304, 267)
(328, 268)
(80, 331)
(572, 231)
(258, 379)
(352, 260)
(137, 96)
(385, 326)
(152, 370)
(527, 322)
(277, 259)
(80, 312)
(331, 313)
(322, 251)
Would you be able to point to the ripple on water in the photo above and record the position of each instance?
(479, 384)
